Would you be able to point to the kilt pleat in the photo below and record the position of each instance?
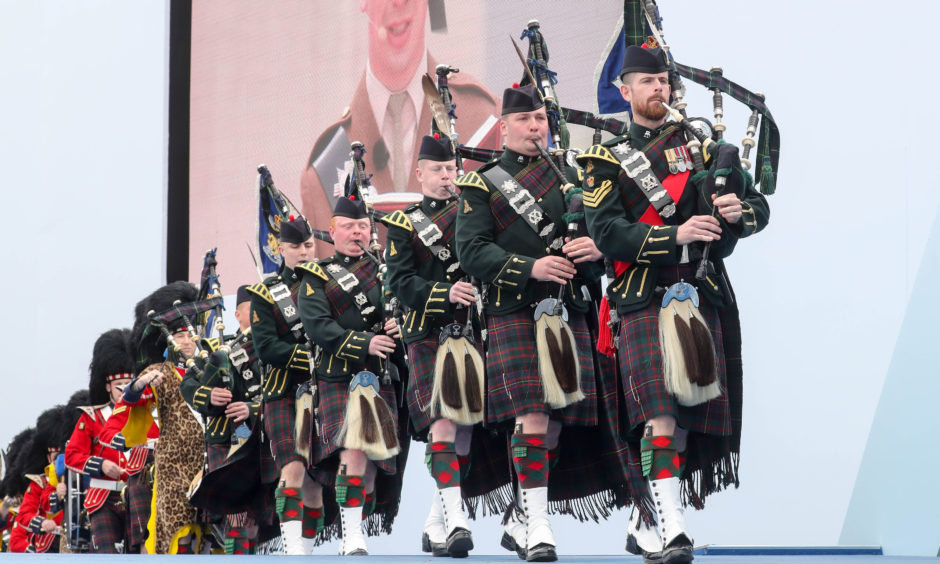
(513, 386)
(279, 417)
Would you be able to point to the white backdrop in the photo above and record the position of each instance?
(823, 291)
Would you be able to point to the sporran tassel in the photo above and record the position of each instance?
(705, 349)
(389, 428)
(303, 410)
(687, 345)
(474, 389)
(370, 432)
(450, 382)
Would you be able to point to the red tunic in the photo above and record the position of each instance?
(40, 502)
(96, 439)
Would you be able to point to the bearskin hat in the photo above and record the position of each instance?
(53, 429)
(14, 482)
(149, 341)
(113, 354)
(79, 399)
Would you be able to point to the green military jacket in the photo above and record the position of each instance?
(497, 246)
(196, 388)
(416, 277)
(334, 322)
(288, 359)
(614, 204)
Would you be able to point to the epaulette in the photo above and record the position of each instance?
(211, 344)
(36, 479)
(471, 180)
(398, 219)
(261, 291)
(90, 410)
(313, 268)
(597, 152)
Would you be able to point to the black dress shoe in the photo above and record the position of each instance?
(633, 547)
(510, 544)
(436, 549)
(542, 552)
(459, 543)
(679, 551)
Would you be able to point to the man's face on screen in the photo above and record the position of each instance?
(396, 38)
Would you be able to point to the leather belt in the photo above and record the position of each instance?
(113, 485)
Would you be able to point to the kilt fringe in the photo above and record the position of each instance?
(493, 502)
(592, 507)
(373, 525)
(712, 478)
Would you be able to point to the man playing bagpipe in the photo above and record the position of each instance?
(445, 387)
(357, 441)
(113, 522)
(656, 218)
(280, 343)
(225, 388)
(165, 340)
(541, 374)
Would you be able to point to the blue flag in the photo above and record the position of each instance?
(272, 210)
(609, 100)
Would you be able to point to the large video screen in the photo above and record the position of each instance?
(291, 84)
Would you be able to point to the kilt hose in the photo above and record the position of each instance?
(513, 385)
(587, 480)
(279, 415)
(324, 454)
(108, 525)
(710, 465)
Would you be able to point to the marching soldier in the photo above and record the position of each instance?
(41, 511)
(541, 375)
(13, 486)
(162, 348)
(444, 398)
(104, 462)
(654, 216)
(340, 303)
(280, 343)
(226, 390)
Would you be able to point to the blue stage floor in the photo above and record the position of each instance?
(495, 559)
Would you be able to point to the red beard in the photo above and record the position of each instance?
(651, 109)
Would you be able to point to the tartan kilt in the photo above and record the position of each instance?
(279, 416)
(216, 455)
(324, 453)
(234, 484)
(513, 385)
(709, 461)
(422, 355)
(325, 461)
(138, 497)
(107, 525)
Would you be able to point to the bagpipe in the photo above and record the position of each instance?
(274, 209)
(559, 366)
(459, 369)
(689, 359)
(368, 424)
